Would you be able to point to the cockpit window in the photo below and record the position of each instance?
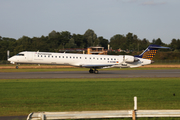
(20, 55)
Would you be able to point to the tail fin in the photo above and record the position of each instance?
(150, 52)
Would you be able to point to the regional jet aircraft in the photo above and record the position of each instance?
(91, 61)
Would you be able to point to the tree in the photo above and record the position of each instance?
(91, 37)
(70, 44)
(96, 42)
(132, 41)
(79, 40)
(3, 48)
(65, 36)
(40, 44)
(118, 41)
(59, 40)
(25, 43)
(144, 44)
(103, 42)
(157, 42)
(178, 44)
(52, 34)
(129, 38)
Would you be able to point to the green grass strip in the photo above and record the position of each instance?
(23, 96)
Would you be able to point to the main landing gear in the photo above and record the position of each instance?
(93, 71)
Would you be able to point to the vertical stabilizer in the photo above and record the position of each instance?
(150, 52)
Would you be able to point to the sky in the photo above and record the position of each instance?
(150, 19)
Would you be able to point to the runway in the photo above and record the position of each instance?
(86, 74)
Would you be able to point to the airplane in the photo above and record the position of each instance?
(91, 61)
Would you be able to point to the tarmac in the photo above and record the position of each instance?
(85, 74)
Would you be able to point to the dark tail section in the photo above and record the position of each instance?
(150, 52)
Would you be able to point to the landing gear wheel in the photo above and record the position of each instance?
(96, 71)
(91, 71)
(17, 67)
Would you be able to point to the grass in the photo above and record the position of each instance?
(23, 96)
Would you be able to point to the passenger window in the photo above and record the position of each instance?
(101, 58)
(44, 56)
(97, 58)
(55, 56)
(104, 58)
(80, 57)
(70, 57)
(73, 57)
(111, 59)
(89, 58)
(48, 56)
(52, 56)
(59, 56)
(62, 56)
(114, 58)
(108, 59)
(66, 56)
(76, 57)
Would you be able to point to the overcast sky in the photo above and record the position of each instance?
(150, 19)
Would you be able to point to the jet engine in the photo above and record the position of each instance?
(130, 59)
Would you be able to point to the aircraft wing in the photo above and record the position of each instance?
(96, 65)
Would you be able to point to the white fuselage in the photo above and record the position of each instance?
(80, 60)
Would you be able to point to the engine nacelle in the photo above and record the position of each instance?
(129, 59)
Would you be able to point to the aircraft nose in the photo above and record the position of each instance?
(9, 59)
(12, 60)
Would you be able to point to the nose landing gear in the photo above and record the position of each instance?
(17, 66)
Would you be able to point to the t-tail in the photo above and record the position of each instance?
(150, 52)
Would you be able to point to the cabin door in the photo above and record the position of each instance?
(29, 57)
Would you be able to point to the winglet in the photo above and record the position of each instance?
(150, 52)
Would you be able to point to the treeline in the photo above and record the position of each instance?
(62, 40)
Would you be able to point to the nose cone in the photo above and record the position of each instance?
(12, 60)
(9, 59)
